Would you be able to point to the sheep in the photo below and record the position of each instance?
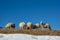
(45, 26)
(29, 25)
(37, 25)
(10, 25)
(22, 25)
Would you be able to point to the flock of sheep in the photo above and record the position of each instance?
(29, 25)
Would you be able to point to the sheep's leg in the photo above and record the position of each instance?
(48, 27)
(42, 27)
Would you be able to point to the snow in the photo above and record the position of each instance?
(27, 37)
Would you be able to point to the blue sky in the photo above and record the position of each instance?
(34, 11)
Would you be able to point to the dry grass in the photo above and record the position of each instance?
(31, 31)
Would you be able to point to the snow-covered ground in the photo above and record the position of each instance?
(27, 37)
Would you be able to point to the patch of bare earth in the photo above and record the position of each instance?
(31, 31)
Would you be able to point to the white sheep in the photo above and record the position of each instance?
(29, 25)
(45, 25)
(37, 25)
(22, 25)
(10, 25)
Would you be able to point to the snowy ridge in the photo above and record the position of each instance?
(27, 37)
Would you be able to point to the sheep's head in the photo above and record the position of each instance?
(41, 22)
(0, 27)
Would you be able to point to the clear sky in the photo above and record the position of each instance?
(34, 11)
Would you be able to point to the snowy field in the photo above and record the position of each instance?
(27, 37)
